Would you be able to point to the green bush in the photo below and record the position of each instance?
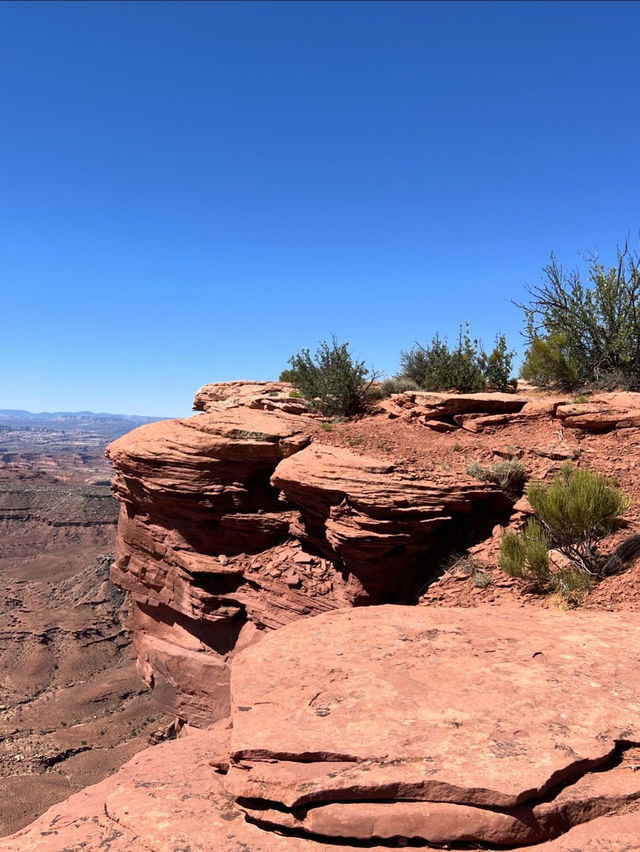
(572, 515)
(466, 367)
(547, 364)
(581, 333)
(577, 510)
(525, 555)
(333, 382)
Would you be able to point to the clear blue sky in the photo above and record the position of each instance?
(193, 192)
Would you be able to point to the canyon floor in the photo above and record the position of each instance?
(72, 707)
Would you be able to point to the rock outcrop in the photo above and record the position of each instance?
(375, 519)
(435, 409)
(267, 396)
(393, 726)
(472, 727)
(195, 493)
(231, 523)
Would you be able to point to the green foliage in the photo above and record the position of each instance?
(577, 510)
(509, 474)
(466, 367)
(286, 376)
(571, 515)
(547, 363)
(333, 381)
(525, 555)
(585, 333)
(496, 366)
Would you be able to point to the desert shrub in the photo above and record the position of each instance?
(547, 365)
(286, 376)
(509, 474)
(466, 367)
(333, 381)
(401, 384)
(577, 510)
(585, 333)
(572, 515)
(496, 366)
(525, 555)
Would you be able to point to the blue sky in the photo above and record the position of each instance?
(193, 192)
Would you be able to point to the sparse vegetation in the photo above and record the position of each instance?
(585, 334)
(509, 474)
(401, 384)
(572, 514)
(333, 382)
(466, 367)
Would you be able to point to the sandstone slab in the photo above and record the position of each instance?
(268, 396)
(468, 726)
(598, 417)
(426, 406)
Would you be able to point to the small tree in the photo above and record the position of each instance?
(572, 515)
(333, 381)
(579, 333)
(466, 367)
(496, 367)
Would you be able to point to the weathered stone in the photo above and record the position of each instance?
(167, 798)
(454, 726)
(375, 519)
(268, 396)
(598, 418)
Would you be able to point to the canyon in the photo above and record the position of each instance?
(318, 605)
(72, 708)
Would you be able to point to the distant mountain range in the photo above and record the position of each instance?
(20, 414)
(53, 431)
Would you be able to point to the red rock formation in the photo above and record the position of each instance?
(393, 726)
(366, 514)
(195, 493)
(268, 396)
(475, 727)
(205, 547)
(425, 407)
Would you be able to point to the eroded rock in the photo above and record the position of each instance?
(480, 726)
(376, 519)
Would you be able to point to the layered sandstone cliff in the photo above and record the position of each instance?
(235, 521)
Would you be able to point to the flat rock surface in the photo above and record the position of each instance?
(505, 709)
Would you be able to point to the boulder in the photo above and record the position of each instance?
(479, 726)
(268, 396)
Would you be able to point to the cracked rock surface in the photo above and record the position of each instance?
(449, 726)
